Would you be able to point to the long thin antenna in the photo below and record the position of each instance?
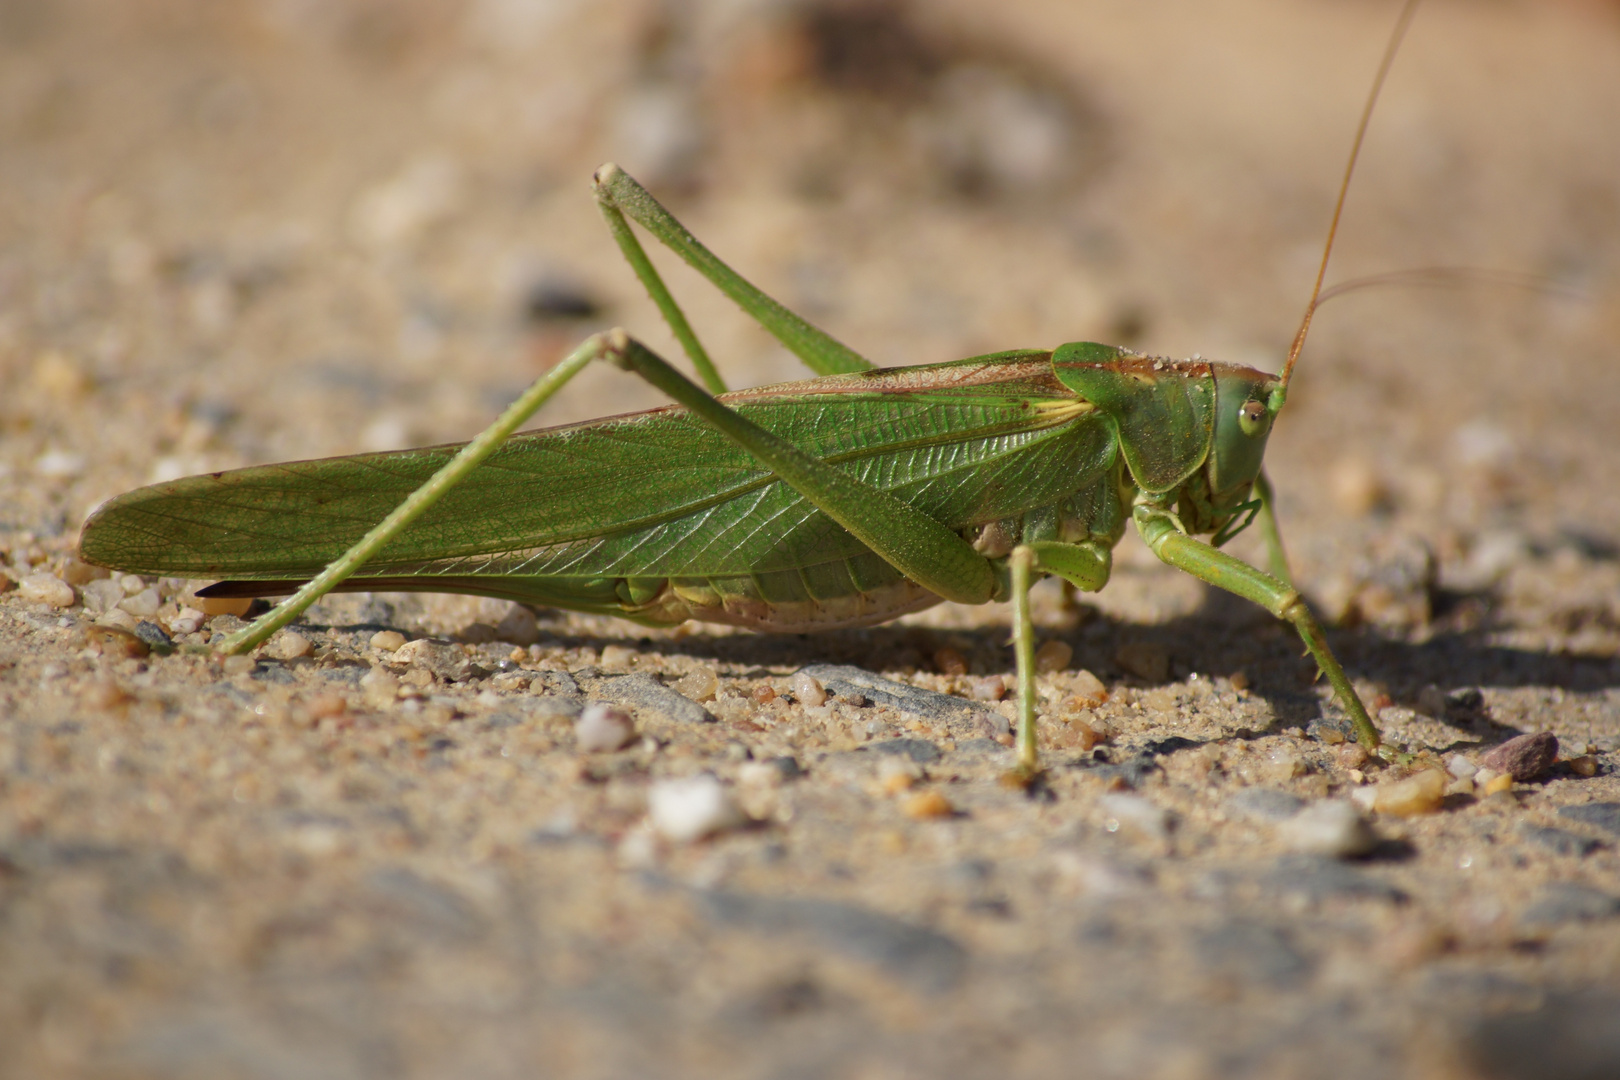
(1390, 50)
(1458, 277)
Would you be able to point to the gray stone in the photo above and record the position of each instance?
(848, 680)
(558, 682)
(924, 959)
(1559, 841)
(1605, 815)
(643, 692)
(920, 751)
(1565, 902)
(981, 748)
(153, 634)
(1264, 804)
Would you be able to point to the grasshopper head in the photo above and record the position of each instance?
(1246, 403)
(1191, 431)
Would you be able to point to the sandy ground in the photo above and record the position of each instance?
(233, 234)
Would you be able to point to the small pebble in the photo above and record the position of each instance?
(988, 688)
(238, 665)
(1053, 656)
(1461, 767)
(617, 657)
(761, 774)
(59, 464)
(1082, 736)
(1585, 765)
(947, 661)
(1420, 793)
(1282, 762)
(1498, 784)
(1331, 827)
(701, 684)
(46, 588)
(692, 808)
(387, 641)
(142, 605)
(1089, 690)
(119, 619)
(1525, 757)
(118, 642)
(926, 805)
(603, 729)
(1239, 680)
(153, 634)
(189, 621)
(290, 645)
(1352, 755)
(101, 596)
(807, 690)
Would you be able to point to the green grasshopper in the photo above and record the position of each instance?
(839, 501)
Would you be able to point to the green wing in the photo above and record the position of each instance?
(578, 515)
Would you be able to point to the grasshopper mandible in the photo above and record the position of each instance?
(843, 500)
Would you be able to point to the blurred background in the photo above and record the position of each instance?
(236, 233)
(242, 232)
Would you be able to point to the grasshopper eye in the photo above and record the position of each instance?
(1252, 418)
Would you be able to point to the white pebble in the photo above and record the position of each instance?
(387, 640)
(131, 584)
(808, 690)
(59, 464)
(189, 621)
(119, 619)
(692, 808)
(617, 657)
(1461, 767)
(238, 665)
(603, 729)
(143, 605)
(101, 596)
(45, 588)
(290, 645)
(1331, 827)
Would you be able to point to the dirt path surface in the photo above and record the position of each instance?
(235, 234)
